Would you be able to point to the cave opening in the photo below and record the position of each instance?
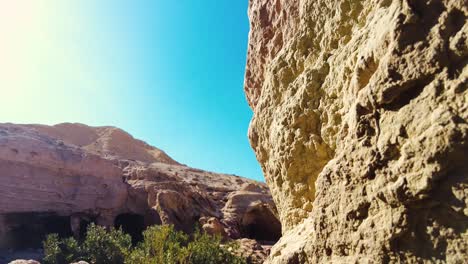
(261, 224)
(28, 230)
(84, 224)
(132, 224)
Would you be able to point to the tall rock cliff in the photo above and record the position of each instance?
(360, 125)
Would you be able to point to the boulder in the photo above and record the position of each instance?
(22, 261)
(213, 226)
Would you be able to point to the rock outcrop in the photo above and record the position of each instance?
(60, 178)
(360, 125)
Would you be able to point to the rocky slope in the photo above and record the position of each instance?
(360, 125)
(60, 178)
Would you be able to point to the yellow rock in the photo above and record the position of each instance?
(360, 126)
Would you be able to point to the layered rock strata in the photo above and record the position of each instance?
(60, 178)
(360, 125)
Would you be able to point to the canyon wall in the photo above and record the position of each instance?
(360, 126)
(58, 179)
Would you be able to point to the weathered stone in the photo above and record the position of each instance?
(360, 125)
(213, 226)
(61, 178)
(253, 251)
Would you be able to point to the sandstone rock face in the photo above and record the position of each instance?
(60, 178)
(360, 125)
(106, 141)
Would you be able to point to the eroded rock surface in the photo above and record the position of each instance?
(360, 125)
(61, 178)
(22, 261)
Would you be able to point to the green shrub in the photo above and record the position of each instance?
(60, 251)
(105, 247)
(100, 247)
(165, 245)
(160, 245)
(208, 249)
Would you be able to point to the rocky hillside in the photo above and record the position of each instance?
(60, 178)
(360, 125)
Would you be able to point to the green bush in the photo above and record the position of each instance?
(58, 251)
(165, 245)
(160, 245)
(208, 249)
(106, 247)
(100, 247)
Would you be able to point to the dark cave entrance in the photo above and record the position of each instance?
(28, 230)
(261, 224)
(84, 223)
(132, 224)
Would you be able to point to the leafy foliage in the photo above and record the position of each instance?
(165, 245)
(100, 246)
(60, 251)
(161, 245)
(106, 247)
(208, 249)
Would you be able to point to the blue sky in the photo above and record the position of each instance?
(169, 72)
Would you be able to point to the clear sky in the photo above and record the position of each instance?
(169, 72)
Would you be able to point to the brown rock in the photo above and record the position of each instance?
(105, 141)
(254, 215)
(253, 251)
(213, 226)
(360, 125)
(61, 178)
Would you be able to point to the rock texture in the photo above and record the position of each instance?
(360, 125)
(22, 261)
(73, 174)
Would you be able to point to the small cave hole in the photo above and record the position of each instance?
(28, 230)
(261, 224)
(84, 223)
(132, 224)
